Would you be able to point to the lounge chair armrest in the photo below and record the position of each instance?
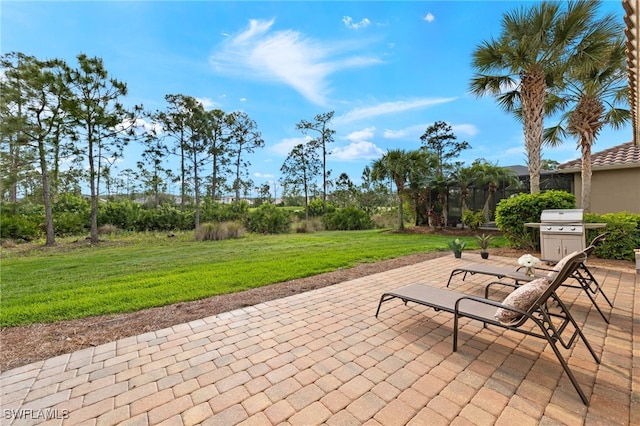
(502, 283)
(481, 300)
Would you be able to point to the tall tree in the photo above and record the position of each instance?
(465, 177)
(217, 140)
(320, 125)
(440, 139)
(175, 123)
(398, 165)
(38, 106)
(345, 193)
(300, 167)
(244, 138)
(16, 156)
(443, 143)
(152, 169)
(536, 47)
(101, 125)
(595, 95)
(372, 193)
(492, 176)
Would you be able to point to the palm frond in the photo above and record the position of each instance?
(617, 117)
(509, 101)
(555, 135)
(489, 84)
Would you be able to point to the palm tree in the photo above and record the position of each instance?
(492, 175)
(465, 177)
(398, 165)
(596, 94)
(536, 47)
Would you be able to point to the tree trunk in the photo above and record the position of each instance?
(94, 195)
(400, 212)
(533, 94)
(586, 173)
(196, 189)
(46, 194)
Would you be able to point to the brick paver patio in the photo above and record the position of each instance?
(322, 357)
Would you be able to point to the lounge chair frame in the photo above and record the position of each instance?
(548, 313)
(586, 281)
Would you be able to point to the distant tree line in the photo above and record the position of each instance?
(62, 126)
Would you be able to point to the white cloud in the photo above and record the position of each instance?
(286, 145)
(207, 103)
(411, 132)
(429, 17)
(243, 99)
(464, 129)
(348, 22)
(414, 132)
(389, 108)
(264, 175)
(362, 150)
(287, 57)
(360, 135)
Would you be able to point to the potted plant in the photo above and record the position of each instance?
(457, 246)
(483, 241)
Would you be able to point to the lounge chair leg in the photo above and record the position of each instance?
(584, 283)
(578, 329)
(591, 278)
(455, 332)
(382, 299)
(564, 364)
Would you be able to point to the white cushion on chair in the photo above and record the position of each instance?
(522, 298)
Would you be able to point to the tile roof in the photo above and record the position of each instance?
(632, 33)
(617, 157)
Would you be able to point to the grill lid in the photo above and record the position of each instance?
(561, 216)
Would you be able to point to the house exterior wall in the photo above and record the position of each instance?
(612, 191)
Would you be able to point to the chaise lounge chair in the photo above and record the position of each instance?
(582, 274)
(527, 304)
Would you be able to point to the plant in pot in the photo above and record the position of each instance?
(483, 241)
(457, 246)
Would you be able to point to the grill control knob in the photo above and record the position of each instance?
(573, 228)
(561, 228)
(548, 228)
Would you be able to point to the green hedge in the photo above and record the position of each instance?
(623, 234)
(512, 213)
(268, 219)
(348, 219)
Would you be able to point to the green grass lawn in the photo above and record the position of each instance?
(129, 274)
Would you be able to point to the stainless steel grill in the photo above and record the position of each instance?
(562, 231)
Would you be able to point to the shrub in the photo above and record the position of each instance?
(19, 228)
(473, 220)
(512, 213)
(623, 237)
(218, 212)
(165, 218)
(124, 214)
(347, 219)
(268, 219)
(72, 204)
(67, 223)
(216, 231)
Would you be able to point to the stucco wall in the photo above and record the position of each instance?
(612, 190)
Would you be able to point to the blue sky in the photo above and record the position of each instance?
(388, 69)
